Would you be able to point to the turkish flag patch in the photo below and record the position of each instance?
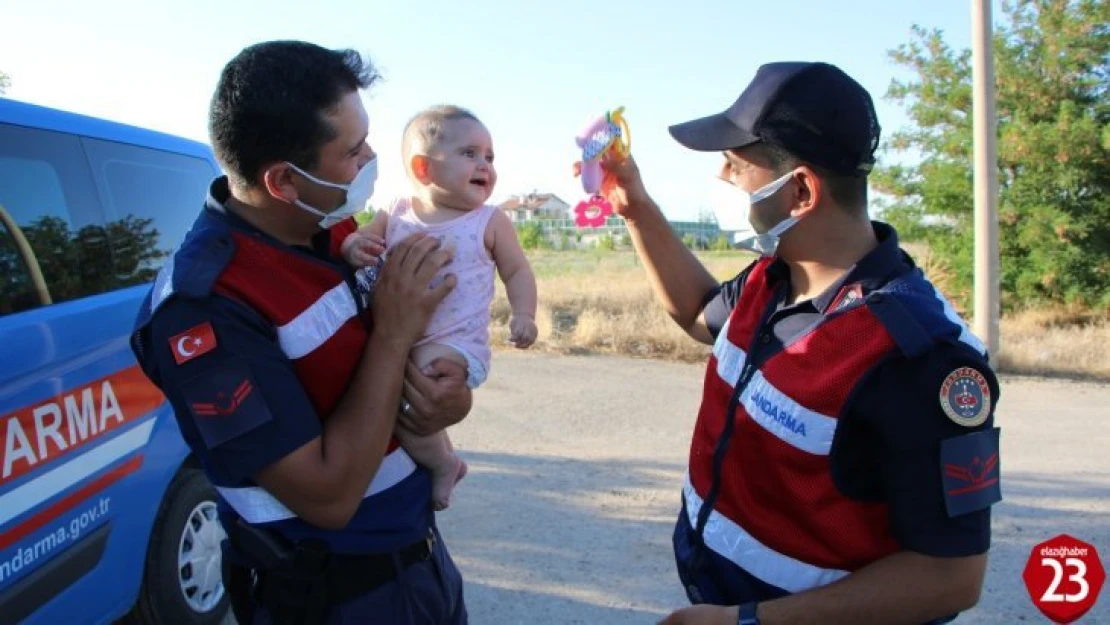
(192, 343)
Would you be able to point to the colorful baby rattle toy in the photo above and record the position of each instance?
(606, 134)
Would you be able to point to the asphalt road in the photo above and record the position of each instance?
(576, 465)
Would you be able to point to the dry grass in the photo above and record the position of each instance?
(600, 302)
(1057, 341)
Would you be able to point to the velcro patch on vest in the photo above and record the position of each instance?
(970, 471)
(225, 403)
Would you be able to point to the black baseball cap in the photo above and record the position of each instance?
(813, 110)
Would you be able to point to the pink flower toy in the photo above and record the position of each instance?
(607, 134)
(592, 213)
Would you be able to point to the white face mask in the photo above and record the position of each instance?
(735, 215)
(358, 193)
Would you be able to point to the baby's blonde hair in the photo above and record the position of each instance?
(428, 128)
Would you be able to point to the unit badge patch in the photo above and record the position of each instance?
(965, 397)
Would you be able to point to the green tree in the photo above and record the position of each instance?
(90, 260)
(720, 244)
(1052, 68)
(5, 83)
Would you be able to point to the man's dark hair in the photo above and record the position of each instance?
(849, 192)
(271, 101)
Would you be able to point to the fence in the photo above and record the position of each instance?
(564, 234)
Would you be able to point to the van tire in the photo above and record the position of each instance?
(182, 523)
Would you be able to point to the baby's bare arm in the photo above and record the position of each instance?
(512, 266)
(516, 273)
(365, 245)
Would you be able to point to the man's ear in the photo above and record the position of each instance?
(808, 191)
(277, 179)
(421, 165)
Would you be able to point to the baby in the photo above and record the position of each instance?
(448, 156)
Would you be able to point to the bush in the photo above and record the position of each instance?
(531, 235)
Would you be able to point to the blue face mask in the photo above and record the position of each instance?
(729, 217)
(358, 192)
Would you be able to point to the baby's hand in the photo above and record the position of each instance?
(522, 331)
(362, 249)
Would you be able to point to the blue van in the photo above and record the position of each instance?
(104, 514)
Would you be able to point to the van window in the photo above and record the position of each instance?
(151, 198)
(52, 239)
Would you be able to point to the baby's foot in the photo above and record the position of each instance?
(444, 479)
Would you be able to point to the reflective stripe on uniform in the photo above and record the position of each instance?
(319, 322)
(773, 410)
(730, 540)
(256, 505)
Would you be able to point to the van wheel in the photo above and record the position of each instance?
(183, 580)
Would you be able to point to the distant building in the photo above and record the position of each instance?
(555, 219)
(703, 233)
(531, 206)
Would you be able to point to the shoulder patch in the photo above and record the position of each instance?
(970, 471)
(225, 402)
(965, 397)
(192, 343)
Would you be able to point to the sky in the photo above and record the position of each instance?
(535, 71)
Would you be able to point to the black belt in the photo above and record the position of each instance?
(301, 581)
(350, 575)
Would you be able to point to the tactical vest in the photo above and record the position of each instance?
(320, 322)
(777, 513)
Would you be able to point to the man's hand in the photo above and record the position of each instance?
(522, 331)
(403, 301)
(439, 398)
(623, 186)
(703, 615)
(326, 489)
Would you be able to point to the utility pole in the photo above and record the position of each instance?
(987, 305)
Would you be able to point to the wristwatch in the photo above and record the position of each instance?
(747, 614)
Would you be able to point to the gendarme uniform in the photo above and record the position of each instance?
(835, 432)
(254, 342)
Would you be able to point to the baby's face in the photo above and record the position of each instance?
(461, 166)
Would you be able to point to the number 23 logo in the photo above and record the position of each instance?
(1079, 577)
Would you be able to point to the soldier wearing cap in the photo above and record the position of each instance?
(845, 459)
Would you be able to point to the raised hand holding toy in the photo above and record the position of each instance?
(608, 134)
